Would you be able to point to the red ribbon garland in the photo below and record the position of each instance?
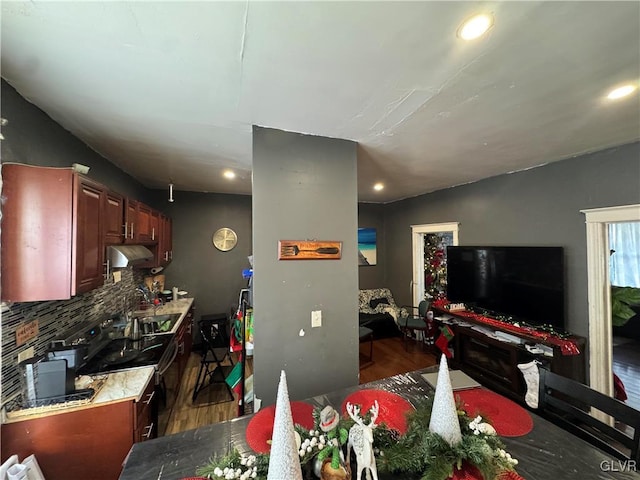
(567, 346)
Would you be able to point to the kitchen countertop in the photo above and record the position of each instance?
(122, 385)
(182, 305)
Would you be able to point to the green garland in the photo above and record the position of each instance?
(419, 452)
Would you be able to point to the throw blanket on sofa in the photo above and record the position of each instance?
(379, 300)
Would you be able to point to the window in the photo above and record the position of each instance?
(624, 263)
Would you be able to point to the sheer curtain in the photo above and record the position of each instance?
(624, 241)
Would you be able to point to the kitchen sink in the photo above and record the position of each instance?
(158, 324)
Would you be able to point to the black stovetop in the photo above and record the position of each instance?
(124, 353)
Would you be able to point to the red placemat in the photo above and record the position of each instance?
(507, 417)
(392, 407)
(510, 475)
(260, 427)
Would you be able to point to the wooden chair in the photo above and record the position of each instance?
(414, 322)
(567, 402)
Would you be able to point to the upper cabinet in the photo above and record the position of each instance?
(164, 253)
(89, 253)
(56, 225)
(51, 234)
(138, 224)
(114, 218)
(144, 233)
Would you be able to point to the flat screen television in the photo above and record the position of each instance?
(525, 283)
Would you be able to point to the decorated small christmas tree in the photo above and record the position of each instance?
(284, 462)
(444, 417)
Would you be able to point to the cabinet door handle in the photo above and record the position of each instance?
(126, 234)
(153, 233)
(108, 270)
(170, 254)
(149, 429)
(181, 348)
(131, 230)
(150, 395)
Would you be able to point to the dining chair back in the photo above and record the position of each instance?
(568, 403)
(414, 322)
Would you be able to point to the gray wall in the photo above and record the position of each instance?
(212, 277)
(304, 187)
(540, 206)
(32, 137)
(371, 215)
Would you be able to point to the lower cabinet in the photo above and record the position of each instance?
(89, 443)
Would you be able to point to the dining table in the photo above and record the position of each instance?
(544, 450)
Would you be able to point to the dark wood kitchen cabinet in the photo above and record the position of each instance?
(165, 243)
(88, 443)
(114, 219)
(144, 233)
(155, 226)
(140, 226)
(52, 246)
(56, 224)
(89, 251)
(130, 220)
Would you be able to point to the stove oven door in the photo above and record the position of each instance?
(167, 385)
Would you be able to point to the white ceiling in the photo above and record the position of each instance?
(170, 90)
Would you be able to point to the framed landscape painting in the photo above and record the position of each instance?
(367, 254)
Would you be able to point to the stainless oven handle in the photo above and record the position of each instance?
(163, 367)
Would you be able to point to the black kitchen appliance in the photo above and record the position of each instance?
(45, 382)
(121, 353)
(102, 347)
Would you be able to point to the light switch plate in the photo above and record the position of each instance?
(26, 354)
(316, 318)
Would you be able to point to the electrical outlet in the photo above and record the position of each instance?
(26, 354)
(316, 318)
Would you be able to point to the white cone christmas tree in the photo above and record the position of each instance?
(444, 417)
(284, 462)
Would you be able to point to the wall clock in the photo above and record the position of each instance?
(225, 239)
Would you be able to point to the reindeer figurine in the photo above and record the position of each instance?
(361, 439)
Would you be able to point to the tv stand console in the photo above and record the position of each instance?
(491, 354)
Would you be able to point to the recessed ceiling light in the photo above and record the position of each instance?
(378, 186)
(475, 26)
(622, 91)
(229, 174)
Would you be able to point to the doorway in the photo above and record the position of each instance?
(423, 236)
(599, 291)
(624, 272)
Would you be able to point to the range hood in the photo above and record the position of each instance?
(125, 255)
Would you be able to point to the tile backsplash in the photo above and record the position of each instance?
(55, 318)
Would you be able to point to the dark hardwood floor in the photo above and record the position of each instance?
(389, 358)
(626, 364)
